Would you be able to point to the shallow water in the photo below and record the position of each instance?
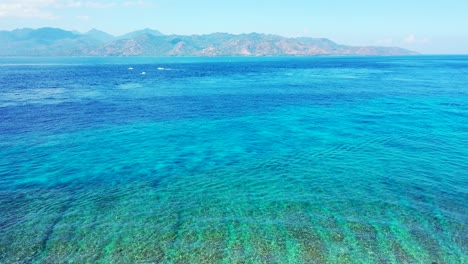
(234, 160)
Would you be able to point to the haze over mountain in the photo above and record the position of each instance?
(148, 42)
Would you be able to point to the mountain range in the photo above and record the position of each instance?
(149, 42)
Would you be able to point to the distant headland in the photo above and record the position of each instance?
(149, 42)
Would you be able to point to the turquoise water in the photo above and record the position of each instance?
(234, 160)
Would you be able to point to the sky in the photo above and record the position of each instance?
(426, 26)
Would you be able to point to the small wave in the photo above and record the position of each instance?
(129, 86)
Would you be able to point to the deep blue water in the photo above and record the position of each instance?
(234, 160)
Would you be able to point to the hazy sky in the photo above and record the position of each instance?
(427, 26)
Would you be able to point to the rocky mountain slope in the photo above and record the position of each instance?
(148, 42)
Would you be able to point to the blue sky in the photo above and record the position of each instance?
(437, 26)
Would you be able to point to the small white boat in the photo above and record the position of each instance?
(143, 73)
(130, 68)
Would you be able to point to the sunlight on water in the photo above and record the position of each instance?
(292, 160)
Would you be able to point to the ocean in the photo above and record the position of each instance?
(234, 160)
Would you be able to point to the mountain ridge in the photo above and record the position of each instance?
(149, 42)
